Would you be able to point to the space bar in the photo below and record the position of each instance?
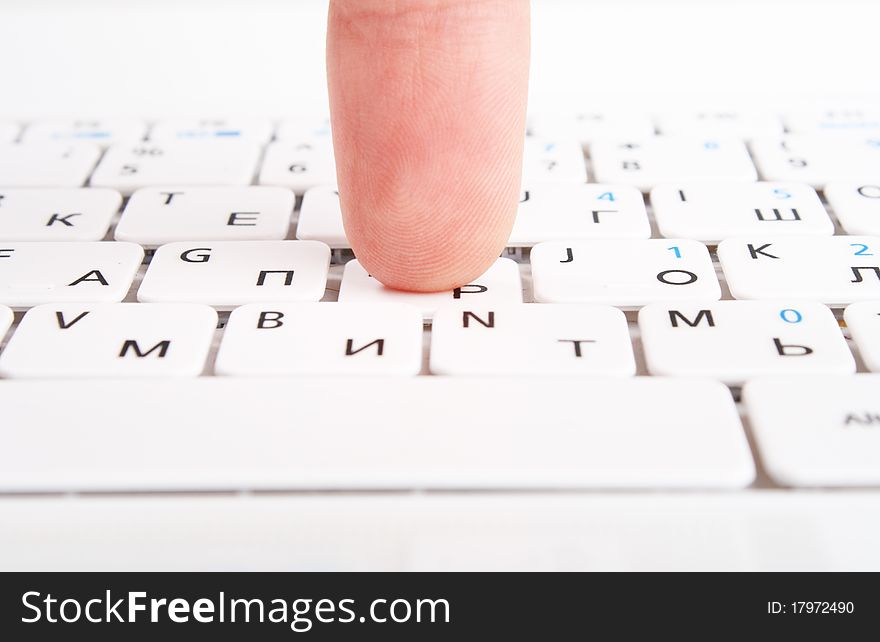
(219, 434)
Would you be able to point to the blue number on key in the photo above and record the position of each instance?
(607, 196)
(863, 251)
(791, 316)
(781, 193)
(711, 144)
(675, 250)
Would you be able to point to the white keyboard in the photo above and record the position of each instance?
(688, 302)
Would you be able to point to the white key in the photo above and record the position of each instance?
(626, 274)
(57, 214)
(551, 212)
(817, 160)
(553, 161)
(226, 274)
(836, 270)
(305, 127)
(863, 321)
(531, 339)
(817, 431)
(737, 340)
(719, 123)
(190, 164)
(834, 121)
(500, 284)
(710, 212)
(669, 159)
(223, 433)
(588, 127)
(320, 217)
(110, 340)
(8, 132)
(322, 339)
(35, 273)
(100, 131)
(6, 318)
(856, 205)
(257, 130)
(47, 164)
(157, 215)
(299, 165)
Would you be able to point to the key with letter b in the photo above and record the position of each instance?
(836, 270)
(626, 274)
(110, 340)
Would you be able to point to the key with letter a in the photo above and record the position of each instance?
(322, 339)
(836, 270)
(57, 214)
(710, 212)
(626, 274)
(817, 430)
(531, 339)
(737, 340)
(47, 164)
(501, 283)
(863, 321)
(35, 273)
(226, 274)
(178, 163)
(110, 340)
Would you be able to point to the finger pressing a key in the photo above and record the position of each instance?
(428, 105)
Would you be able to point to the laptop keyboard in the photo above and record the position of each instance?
(182, 311)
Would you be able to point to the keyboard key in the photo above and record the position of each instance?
(551, 212)
(100, 131)
(818, 430)
(158, 215)
(710, 212)
(47, 164)
(186, 164)
(500, 284)
(8, 132)
(304, 127)
(364, 434)
(863, 321)
(737, 340)
(626, 274)
(531, 339)
(320, 217)
(226, 274)
(668, 159)
(322, 339)
(59, 214)
(588, 127)
(719, 124)
(553, 161)
(6, 318)
(256, 130)
(817, 160)
(35, 273)
(856, 205)
(110, 340)
(836, 270)
(834, 121)
(299, 165)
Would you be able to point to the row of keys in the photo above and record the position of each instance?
(732, 341)
(836, 271)
(299, 165)
(704, 212)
